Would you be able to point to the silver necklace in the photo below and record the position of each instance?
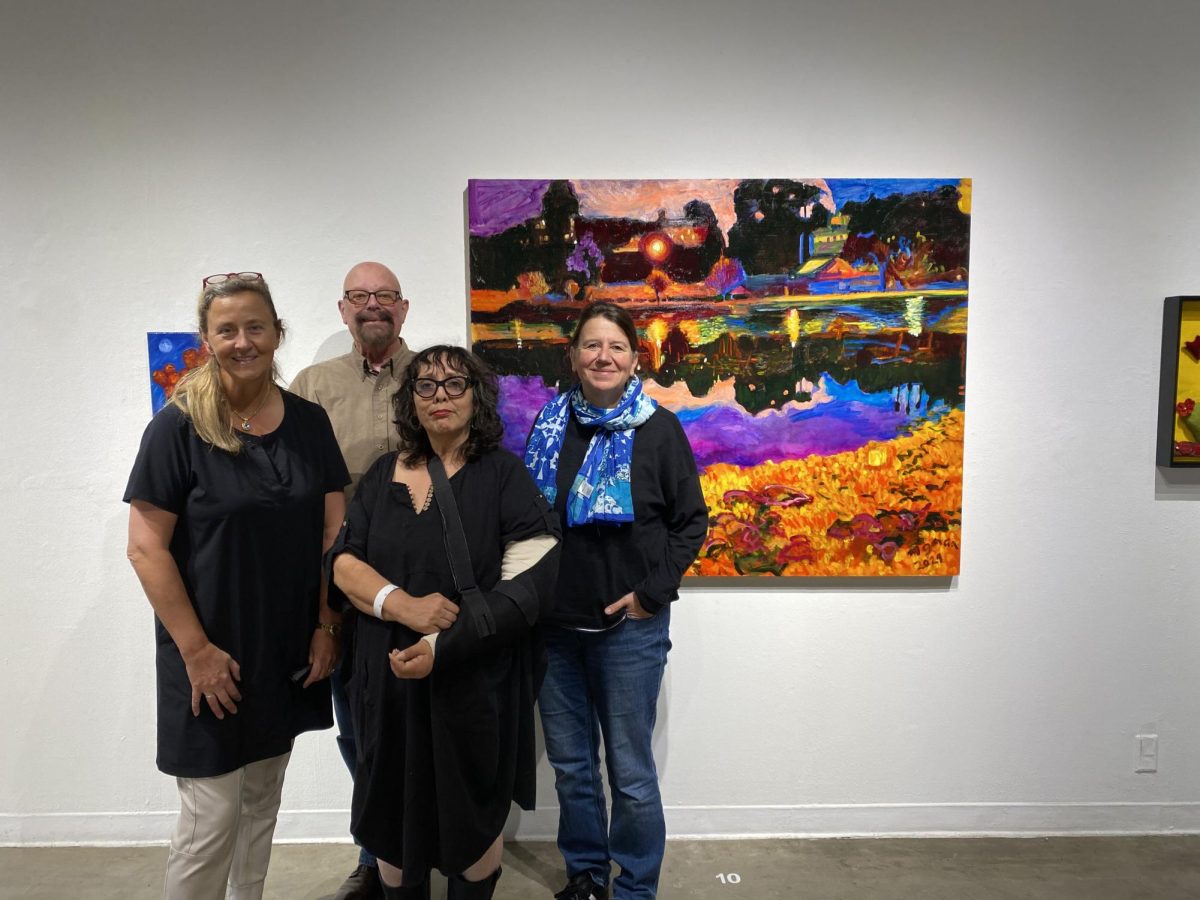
(257, 409)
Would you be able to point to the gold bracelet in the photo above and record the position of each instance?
(333, 629)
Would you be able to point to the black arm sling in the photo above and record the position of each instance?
(471, 599)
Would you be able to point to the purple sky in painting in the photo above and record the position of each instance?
(497, 204)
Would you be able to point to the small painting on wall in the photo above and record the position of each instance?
(171, 353)
(1179, 384)
(810, 334)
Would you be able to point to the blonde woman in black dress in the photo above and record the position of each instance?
(236, 491)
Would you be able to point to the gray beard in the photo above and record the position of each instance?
(375, 341)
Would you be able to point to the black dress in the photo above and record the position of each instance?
(441, 759)
(247, 542)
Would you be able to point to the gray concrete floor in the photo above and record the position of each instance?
(1108, 868)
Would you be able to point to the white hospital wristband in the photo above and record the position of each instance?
(377, 606)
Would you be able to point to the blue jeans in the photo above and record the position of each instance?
(345, 737)
(607, 684)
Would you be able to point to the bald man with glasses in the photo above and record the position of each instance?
(356, 391)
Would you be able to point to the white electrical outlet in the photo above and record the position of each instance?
(1147, 753)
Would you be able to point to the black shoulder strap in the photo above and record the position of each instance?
(456, 549)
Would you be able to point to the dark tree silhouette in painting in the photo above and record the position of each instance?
(775, 219)
(713, 247)
(930, 215)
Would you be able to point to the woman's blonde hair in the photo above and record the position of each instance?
(199, 393)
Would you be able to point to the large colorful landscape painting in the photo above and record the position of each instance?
(810, 334)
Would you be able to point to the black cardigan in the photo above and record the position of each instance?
(600, 563)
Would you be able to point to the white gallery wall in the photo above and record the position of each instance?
(146, 144)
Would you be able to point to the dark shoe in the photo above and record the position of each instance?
(415, 892)
(363, 884)
(581, 887)
(458, 888)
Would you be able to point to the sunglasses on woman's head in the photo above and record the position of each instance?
(221, 278)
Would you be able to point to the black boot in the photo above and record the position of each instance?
(416, 892)
(461, 889)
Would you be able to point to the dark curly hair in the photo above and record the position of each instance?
(486, 427)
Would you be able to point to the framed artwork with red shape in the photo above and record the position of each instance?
(170, 354)
(1179, 384)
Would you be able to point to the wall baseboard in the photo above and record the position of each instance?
(683, 823)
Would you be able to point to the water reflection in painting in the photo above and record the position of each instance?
(809, 334)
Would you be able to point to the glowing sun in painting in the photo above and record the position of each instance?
(655, 246)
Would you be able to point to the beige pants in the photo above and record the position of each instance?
(224, 833)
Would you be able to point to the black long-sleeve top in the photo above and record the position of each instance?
(600, 563)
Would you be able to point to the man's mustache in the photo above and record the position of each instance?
(381, 316)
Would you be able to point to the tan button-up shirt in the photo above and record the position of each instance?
(359, 404)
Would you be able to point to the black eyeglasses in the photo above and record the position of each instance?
(454, 386)
(384, 298)
(230, 276)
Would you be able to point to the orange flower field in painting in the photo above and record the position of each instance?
(888, 508)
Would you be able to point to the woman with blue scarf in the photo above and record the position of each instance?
(620, 473)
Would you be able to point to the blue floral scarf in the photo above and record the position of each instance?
(601, 491)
